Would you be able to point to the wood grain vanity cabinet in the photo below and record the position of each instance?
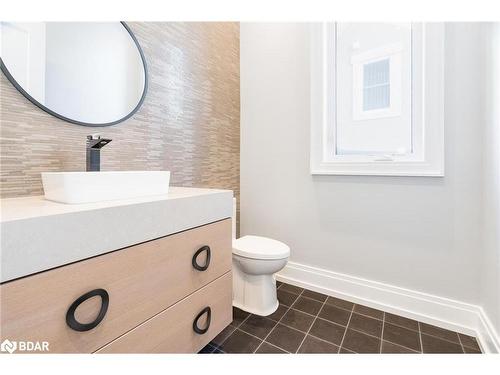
(169, 295)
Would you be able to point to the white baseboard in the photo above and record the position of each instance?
(442, 312)
(485, 331)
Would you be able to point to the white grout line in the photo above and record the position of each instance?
(278, 322)
(309, 334)
(349, 310)
(318, 317)
(346, 327)
(468, 346)
(303, 312)
(261, 340)
(401, 326)
(243, 321)
(382, 333)
(329, 321)
(350, 351)
(402, 346)
(357, 312)
(320, 339)
(419, 331)
(462, 345)
(238, 328)
(383, 319)
(293, 328)
(250, 334)
(298, 330)
(211, 346)
(276, 346)
(316, 337)
(420, 337)
(314, 321)
(219, 346)
(442, 339)
(283, 288)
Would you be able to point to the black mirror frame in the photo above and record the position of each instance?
(12, 80)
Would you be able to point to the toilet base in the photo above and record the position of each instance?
(255, 294)
(251, 311)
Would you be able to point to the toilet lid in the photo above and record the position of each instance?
(256, 247)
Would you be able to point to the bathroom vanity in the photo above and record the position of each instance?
(147, 275)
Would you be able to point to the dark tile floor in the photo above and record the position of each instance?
(310, 322)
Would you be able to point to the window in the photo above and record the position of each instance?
(377, 99)
(376, 85)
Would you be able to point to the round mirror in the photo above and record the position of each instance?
(87, 73)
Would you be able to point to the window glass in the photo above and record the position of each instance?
(376, 85)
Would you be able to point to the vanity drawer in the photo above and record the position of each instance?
(173, 331)
(141, 281)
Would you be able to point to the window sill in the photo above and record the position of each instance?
(378, 168)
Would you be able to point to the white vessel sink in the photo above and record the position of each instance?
(86, 187)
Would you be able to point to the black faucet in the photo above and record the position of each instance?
(94, 145)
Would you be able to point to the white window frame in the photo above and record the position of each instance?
(427, 157)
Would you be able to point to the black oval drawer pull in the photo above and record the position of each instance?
(81, 327)
(207, 262)
(197, 329)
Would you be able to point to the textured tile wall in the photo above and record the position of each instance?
(189, 123)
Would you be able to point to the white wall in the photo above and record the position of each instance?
(413, 232)
(490, 286)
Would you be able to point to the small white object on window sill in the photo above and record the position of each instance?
(384, 158)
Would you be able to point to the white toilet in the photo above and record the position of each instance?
(255, 261)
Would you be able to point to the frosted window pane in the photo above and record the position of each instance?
(376, 86)
(376, 73)
(376, 97)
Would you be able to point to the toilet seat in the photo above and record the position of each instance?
(256, 247)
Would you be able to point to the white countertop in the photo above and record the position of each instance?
(37, 234)
(37, 206)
